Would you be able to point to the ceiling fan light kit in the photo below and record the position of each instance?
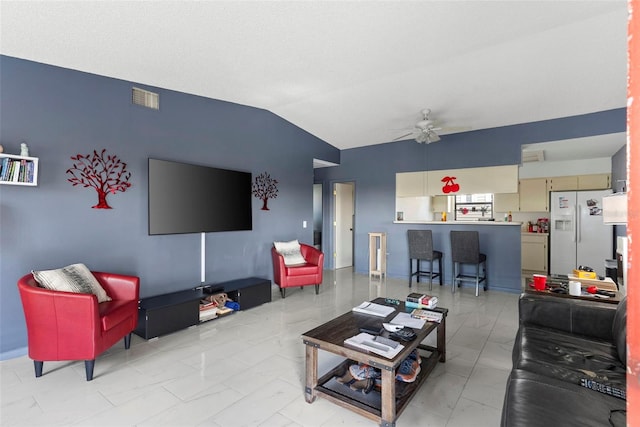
(424, 131)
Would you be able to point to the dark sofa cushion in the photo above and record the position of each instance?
(620, 330)
(569, 357)
(590, 318)
(533, 400)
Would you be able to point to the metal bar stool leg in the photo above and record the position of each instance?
(453, 277)
(477, 277)
(431, 274)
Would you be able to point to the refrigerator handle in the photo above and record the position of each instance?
(578, 225)
(573, 223)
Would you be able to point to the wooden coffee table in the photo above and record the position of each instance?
(386, 405)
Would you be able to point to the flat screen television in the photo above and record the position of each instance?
(187, 198)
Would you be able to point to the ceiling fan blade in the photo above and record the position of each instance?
(402, 137)
(455, 129)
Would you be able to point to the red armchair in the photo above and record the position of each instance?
(73, 326)
(309, 273)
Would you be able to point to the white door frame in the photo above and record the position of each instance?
(343, 223)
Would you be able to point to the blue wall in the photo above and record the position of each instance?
(60, 113)
(373, 169)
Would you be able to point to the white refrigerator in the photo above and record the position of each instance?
(577, 232)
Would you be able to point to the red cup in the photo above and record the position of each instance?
(539, 282)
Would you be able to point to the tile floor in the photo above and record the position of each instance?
(247, 369)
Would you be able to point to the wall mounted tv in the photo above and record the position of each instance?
(187, 198)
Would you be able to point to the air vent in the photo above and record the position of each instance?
(145, 98)
(532, 156)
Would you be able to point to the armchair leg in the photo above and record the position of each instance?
(88, 368)
(317, 289)
(282, 292)
(127, 341)
(37, 364)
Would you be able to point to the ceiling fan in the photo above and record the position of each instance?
(424, 131)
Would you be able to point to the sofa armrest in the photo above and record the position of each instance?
(589, 318)
(311, 254)
(119, 286)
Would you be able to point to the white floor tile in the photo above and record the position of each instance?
(247, 369)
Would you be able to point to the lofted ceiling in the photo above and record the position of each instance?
(352, 73)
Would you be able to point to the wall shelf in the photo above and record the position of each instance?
(18, 170)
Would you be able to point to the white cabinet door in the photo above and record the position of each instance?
(534, 252)
(533, 195)
(411, 184)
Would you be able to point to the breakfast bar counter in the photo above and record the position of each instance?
(499, 240)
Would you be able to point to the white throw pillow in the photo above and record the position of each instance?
(72, 278)
(290, 252)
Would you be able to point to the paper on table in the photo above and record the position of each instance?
(405, 319)
(364, 341)
(374, 309)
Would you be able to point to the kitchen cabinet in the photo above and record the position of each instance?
(505, 202)
(533, 195)
(440, 204)
(597, 181)
(411, 184)
(562, 183)
(600, 181)
(534, 252)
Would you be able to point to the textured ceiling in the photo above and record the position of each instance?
(351, 73)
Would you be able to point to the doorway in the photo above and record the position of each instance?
(317, 216)
(344, 214)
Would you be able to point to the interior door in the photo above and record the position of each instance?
(344, 219)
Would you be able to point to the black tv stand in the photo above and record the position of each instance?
(250, 292)
(167, 313)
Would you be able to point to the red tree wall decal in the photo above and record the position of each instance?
(264, 187)
(106, 174)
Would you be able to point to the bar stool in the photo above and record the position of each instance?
(465, 249)
(421, 249)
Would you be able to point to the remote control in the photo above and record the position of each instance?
(386, 341)
(371, 331)
(606, 293)
(376, 346)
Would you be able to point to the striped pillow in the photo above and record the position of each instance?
(72, 278)
(291, 252)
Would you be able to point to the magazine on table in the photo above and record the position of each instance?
(374, 309)
(367, 342)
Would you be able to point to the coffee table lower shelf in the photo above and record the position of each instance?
(370, 405)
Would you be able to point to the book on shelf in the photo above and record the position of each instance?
(4, 167)
(208, 315)
(428, 315)
(16, 171)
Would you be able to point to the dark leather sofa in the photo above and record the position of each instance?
(569, 364)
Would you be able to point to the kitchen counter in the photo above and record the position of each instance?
(533, 233)
(499, 240)
(494, 223)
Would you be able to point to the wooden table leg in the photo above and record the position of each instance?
(442, 339)
(311, 363)
(388, 396)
